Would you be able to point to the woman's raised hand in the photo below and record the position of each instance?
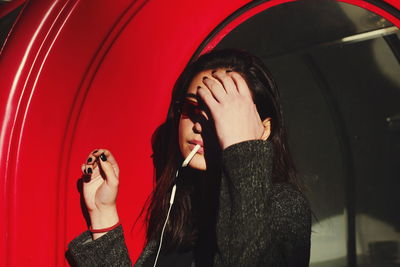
(232, 108)
(101, 188)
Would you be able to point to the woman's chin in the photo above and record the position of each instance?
(198, 163)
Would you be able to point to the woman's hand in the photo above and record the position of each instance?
(100, 191)
(232, 108)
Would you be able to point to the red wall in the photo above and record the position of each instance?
(78, 75)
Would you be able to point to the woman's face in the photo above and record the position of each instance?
(193, 123)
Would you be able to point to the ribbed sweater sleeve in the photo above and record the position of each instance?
(108, 250)
(259, 223)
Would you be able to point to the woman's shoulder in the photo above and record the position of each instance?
(291, 221)
(288, 197)
(290, 210)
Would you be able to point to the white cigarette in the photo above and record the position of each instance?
(191, 155)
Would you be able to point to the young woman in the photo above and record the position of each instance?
(239, 201)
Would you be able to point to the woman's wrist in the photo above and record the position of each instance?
(101, 219)
(104, 230)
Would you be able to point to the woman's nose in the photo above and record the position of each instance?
(197, 127)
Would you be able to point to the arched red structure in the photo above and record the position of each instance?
(77, 75)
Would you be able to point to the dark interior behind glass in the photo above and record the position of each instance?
(337, 67)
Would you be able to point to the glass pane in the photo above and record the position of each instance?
(341, 99)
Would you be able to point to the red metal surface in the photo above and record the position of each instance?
(6, 8)
(77, 75)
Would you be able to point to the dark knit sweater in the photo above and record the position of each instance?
(258, 224)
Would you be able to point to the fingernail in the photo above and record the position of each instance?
(103, 157)
(204, 78)
(89, 170)
(89, 160)
(214, 71)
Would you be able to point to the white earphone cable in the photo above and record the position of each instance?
(162, 234)
(171, 201)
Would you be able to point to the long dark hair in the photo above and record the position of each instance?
(181, 230)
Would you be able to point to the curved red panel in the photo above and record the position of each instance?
(77, 75)
(80, 74)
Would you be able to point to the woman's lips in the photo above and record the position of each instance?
(193, 143)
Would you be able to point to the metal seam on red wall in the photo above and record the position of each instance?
(15, 128)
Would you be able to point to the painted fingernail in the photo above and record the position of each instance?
(89, 170)
(103, 157)
(89, 160)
